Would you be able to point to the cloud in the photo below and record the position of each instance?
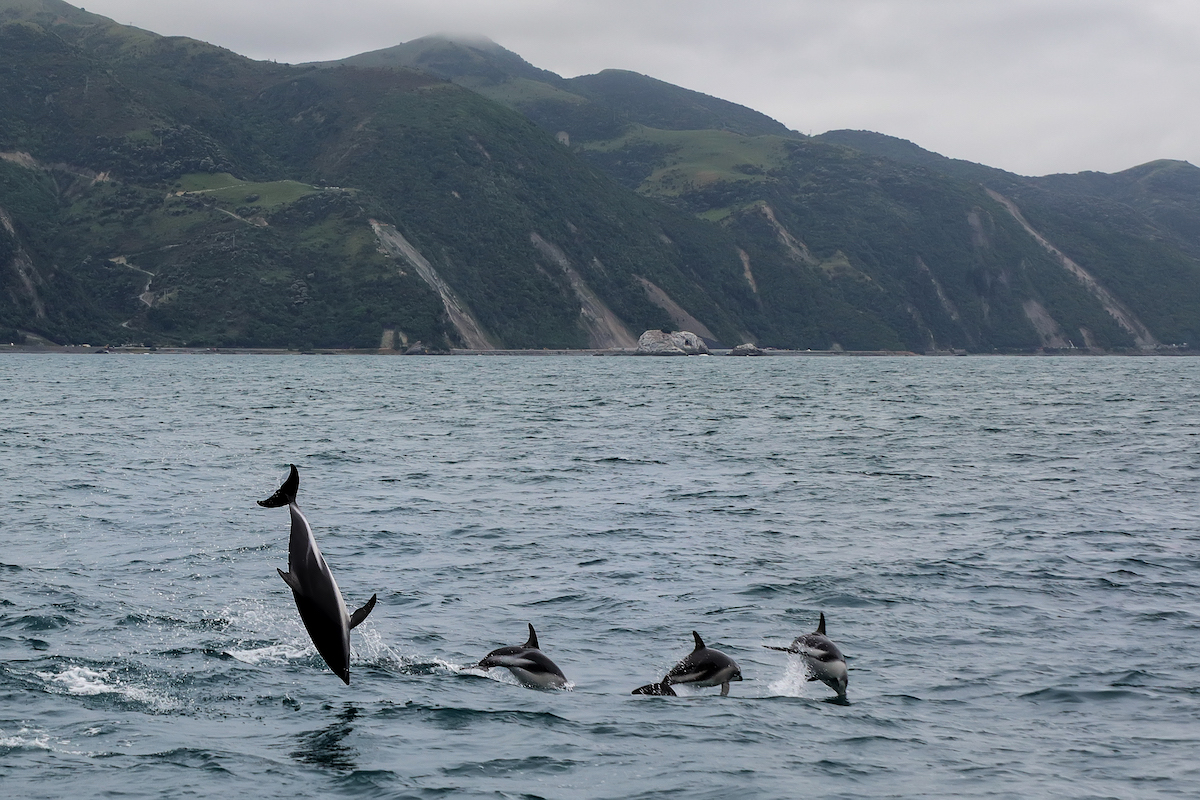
(1034, 86)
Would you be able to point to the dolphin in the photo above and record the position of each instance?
(701, 667)
(318, 598)
(822, 658)
(527, 663)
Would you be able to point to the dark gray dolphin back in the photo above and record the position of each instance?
(527, 663)
(318, 599)
(701, 667)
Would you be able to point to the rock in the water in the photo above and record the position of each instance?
(746, 349)
(674, 343)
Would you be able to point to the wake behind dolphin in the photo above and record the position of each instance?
(318, 598)
(822, 658)
(701, 667)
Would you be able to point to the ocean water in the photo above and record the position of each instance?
(1006, 549)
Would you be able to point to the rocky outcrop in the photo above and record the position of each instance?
(746, 349)
(679, 316)
(671, 343)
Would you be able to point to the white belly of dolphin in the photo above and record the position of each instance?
(831, 673)
(526, 672)
(541, 680)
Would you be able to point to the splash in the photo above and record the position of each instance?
(25, 739)
(253, 622)
(87, 682)
(499, 675)
(367, 647)
(271, 654)
(474, 670)
(794, 681)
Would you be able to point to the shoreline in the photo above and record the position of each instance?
(51, 349)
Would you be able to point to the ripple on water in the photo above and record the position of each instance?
(1007, 558)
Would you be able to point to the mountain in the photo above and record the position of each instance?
(163, 190)
(903, 243)
(612, 97)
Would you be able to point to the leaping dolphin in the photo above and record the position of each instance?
(822, 658)
(701, 667)
(318, 598)
(527, 663)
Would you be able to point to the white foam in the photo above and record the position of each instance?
(372, 649)
(39, 740)
(271, 654)
(81, 680)
(26, 738)
(86, 682)
(794, 681)
(497, 675)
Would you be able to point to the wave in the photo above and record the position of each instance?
(498, 767)
(1056, 695)
(83, 681)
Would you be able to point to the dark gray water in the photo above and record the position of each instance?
(1007, 550)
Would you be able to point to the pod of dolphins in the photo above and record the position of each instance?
(328, 622)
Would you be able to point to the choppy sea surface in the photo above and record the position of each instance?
(1007, 550)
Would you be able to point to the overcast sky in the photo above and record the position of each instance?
(1031, 86)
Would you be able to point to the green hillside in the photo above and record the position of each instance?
(203, 181)
(164, 191)
(927, 251)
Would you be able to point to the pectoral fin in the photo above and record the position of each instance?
(290, 580)
(358, 616)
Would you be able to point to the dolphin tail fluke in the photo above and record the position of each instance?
(655, 689)
(286, 494)
(358, 616)
(821, 624)
(533, 642)
(290, 579)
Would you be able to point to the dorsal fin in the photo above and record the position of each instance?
(699, 641)
(821, 624)
(286, 494)
(533, 642)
